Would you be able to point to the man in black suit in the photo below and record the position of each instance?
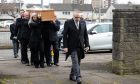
(51, 39)
(75, 41)
(14, 39)
(23, 35)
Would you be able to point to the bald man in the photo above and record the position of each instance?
(23, 36)
(75, 41)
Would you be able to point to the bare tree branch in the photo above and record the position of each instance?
(9, 8)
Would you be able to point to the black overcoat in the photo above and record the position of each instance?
(73, 37)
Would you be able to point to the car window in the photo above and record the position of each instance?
(103, 28)
(110, 27)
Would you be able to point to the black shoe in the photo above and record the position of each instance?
(27, 64)
(42, 66)
(49, 65)
(23, 62)
(36, 66)
(15, 56)
(79, 82)
(32, 64)
(72, 78)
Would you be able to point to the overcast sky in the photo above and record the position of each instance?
(87, 1)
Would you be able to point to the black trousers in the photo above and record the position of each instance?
(37, 53)
(24, 48)
(59, 42)
(47, 49)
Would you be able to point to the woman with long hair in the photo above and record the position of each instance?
(36, 45)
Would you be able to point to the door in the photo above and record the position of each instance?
(100, 37)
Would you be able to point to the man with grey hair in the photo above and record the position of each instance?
(75, 41)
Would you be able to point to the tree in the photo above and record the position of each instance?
(9, 8)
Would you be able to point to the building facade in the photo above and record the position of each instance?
(73, 1)
(78, 1)
(67, 1)
(107, 3)
(97, 3)
(65, 11)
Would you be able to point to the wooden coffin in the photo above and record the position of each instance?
(46, 15)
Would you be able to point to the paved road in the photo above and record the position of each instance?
(96, 69)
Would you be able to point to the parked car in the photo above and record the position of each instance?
(6, 24)
(60, 35)
(1, 24)
(100, 36)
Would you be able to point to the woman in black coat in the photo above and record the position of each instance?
(36, 45)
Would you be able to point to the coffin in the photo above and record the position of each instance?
(46, 15)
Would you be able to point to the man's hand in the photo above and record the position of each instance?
(15, 37)
(86, 49)
(65, 50)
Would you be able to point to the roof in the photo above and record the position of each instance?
(35, 5)
(126, 6)
(71, 7)
(123, 6)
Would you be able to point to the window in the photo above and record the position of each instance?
(63, 13)
(110, 28)
(103, 28)
(102, 14)
(66, 12)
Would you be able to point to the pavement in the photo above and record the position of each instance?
(95, 69)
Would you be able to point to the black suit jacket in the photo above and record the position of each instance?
(12, 30)
(18, 25)
(74, 38)
(50, 31)
(22, 29)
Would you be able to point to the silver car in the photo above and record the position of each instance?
(100, 36)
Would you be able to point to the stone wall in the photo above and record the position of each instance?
(126, 41)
